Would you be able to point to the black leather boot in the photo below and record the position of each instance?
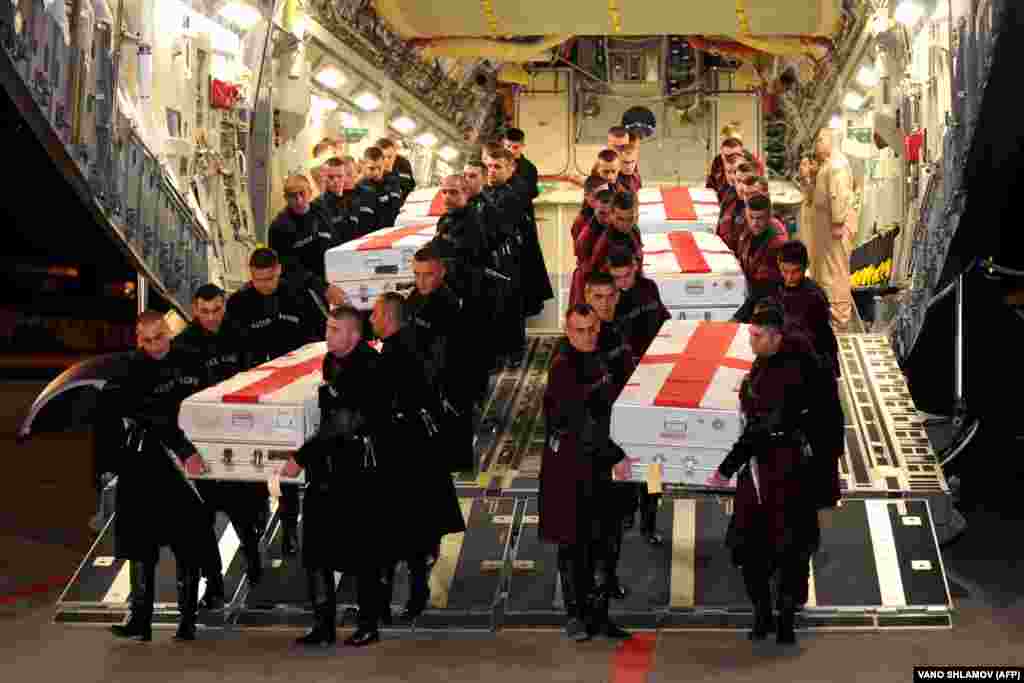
(323, 595)
(575, 626)
(140, 624)
(787, 622)
(387, 589)
(188, 602)
(649, 518)
(419, 589)
(290, 537)
(764, 621)
(598, 621)
(213, 597)
(369, 585)
(251, 550)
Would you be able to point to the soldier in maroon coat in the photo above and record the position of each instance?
(575, 474)
(640, 311)
(623, 234)
(774, 528)
(732, 222)
(758, 250)
(804, 303)
(591, 232)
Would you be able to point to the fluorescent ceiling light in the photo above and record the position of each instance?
(367, 101)
(853, 100)
(868, 77)
(836, 122)
(241, 14)
(427, 140)
(908, 12)
(323, 104)
(447, 153)
(330, 77)
(403, 124)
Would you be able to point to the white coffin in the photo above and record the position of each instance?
(363, 294)
(248, 426)
(384, 253)
(725, 285)
(653, 219)
(685, 466)
(713, 313)
(420, 208)
(689, 400)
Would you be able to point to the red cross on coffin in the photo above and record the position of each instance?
(422, 206)
(248, 426)
(693, 269)
(677, 208)
(685, 391)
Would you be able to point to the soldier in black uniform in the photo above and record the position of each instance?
(435, 312)
(506, 213)
(466, 257)
(341, 531)
(300, 236)
(475, 177)
(601, 294)
(264, 320)
(377, 198)
(156, 504)
(536, 281)
(212, 359)
(337, 177)
(426, 485)
(397, 168)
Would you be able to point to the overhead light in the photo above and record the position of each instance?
(349, 120)
(427, 140)
(908, 12)
(367, 101)
(853, 100)
(323, 105)
(403, 124)
(330, 77)
(447, 153)
(836, 122)
(868, 77)
(242, 14)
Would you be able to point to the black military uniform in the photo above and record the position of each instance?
(300, 243)
(341, 532)
(463, 247)
(440, 342)
(375, 205)
(536, 281)
(156, 505)
(505, 212)
(401, 173)
(426, 487)
(211, 358)
(337, 212)
(619, 358)
(263, 328)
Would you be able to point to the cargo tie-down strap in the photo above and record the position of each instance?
(695, 366)
(387, 240)
(280, 377)
(437, 205)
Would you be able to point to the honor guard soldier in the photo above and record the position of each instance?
(536, 281)
(758, 250)
(732, 222)
(774, 528)
(377, 198)
(341, 528)
(301, 236)
(804, 303)
(506, 213)
(602, 295)
(629, 175)
(411, 449)
(435, 312)
(639, 314)
(475, 177)
(575, 475)
(600, 206)
(213, 358)
(623, 233)
(338, 180)
(397, 169)
(729, 151)
(264, 320)
(156, 505)
(464, 251)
